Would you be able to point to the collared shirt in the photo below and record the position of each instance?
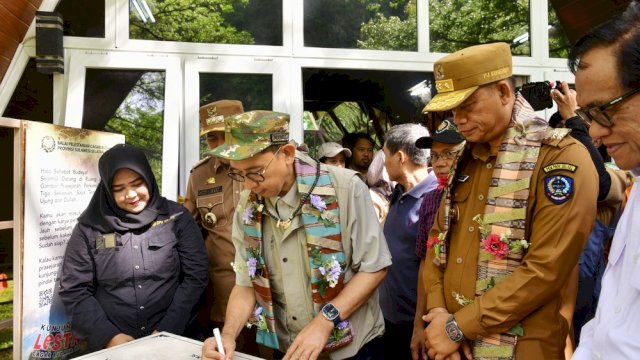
(288, 263)
(150, 280)
(613, 333)
(398, 290)
(211, 194)
(557, 233)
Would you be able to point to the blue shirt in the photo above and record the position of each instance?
(398, 292)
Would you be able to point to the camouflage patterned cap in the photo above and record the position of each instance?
(249, 133)
(212, 115)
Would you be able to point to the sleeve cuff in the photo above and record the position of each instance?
(468, 323)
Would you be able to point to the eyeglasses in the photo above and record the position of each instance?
(598, 113)
(256, 177)
(450, 154)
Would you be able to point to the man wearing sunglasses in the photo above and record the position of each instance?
(516, 212)
(309, 250)
(606, 63)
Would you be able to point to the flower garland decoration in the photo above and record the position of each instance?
(259, 320)
(338, 332)
(498, 245)
(317, 208)
(249, 212)
(329, 268)
(436, 243)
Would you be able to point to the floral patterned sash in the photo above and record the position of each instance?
(321, 219)
(502, 226)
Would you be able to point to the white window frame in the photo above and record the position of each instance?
(80, 61)
(229, 65)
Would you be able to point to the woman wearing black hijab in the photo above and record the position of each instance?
(135, 262)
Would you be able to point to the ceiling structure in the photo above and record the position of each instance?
(15, 18)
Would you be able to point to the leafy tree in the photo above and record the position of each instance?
(200, 21)
(559, 45)
(456, 24)
(336, 23)
(391, 33)
(140, 119)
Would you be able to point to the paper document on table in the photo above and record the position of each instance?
(160, 346)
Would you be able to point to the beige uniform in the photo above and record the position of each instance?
(211, 198)
(286, 257)
(557, 233)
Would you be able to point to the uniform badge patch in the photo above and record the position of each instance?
(211, 180)
(559, 166)
(558, 188)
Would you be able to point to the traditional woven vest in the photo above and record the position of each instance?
(321, 219)
(502, 226)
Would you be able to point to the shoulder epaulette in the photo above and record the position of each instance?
(200, 163)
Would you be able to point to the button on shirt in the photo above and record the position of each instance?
(613, 333)
(398, 290)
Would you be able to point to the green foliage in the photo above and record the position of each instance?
(325, 23)
(6, 339)
(559, 45)
(456, 24)
(201, 21)
(392, 32)
(140, 119)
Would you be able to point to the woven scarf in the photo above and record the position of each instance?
(320, 216)
(503, 223)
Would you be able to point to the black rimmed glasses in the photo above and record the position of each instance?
(598, 114)
(256, 177)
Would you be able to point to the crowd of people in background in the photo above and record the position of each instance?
(496, 235)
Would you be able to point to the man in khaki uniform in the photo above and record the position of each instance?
(515, 215)
(309, 252)
(211, 198)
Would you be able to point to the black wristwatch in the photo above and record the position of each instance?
(453, 331)
(331, 313)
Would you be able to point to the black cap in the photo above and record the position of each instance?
(446, 133)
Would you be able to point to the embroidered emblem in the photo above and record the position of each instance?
(210, 218)
(213, 116)
(211, 180)
(559, 166)
(558, 188)
(439, 72)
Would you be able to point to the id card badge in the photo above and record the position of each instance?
(106, 241)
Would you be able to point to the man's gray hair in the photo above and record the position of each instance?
(403, 137)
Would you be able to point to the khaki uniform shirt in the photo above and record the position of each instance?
(286, 257)
(210, 190)
(531, 294)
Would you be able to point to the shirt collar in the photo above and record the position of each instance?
(427, 184)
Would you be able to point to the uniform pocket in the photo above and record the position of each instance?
(212, 210)
(162, 253)
(112, 265)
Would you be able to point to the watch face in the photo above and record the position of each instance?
(330, 311)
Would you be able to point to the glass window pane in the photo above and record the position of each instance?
(253, 90)
(456, 24)
(343, 101)
(559, 45)
(33, 97)
(82, 18)
(128, 102)
(254, 22)
(352, 24)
